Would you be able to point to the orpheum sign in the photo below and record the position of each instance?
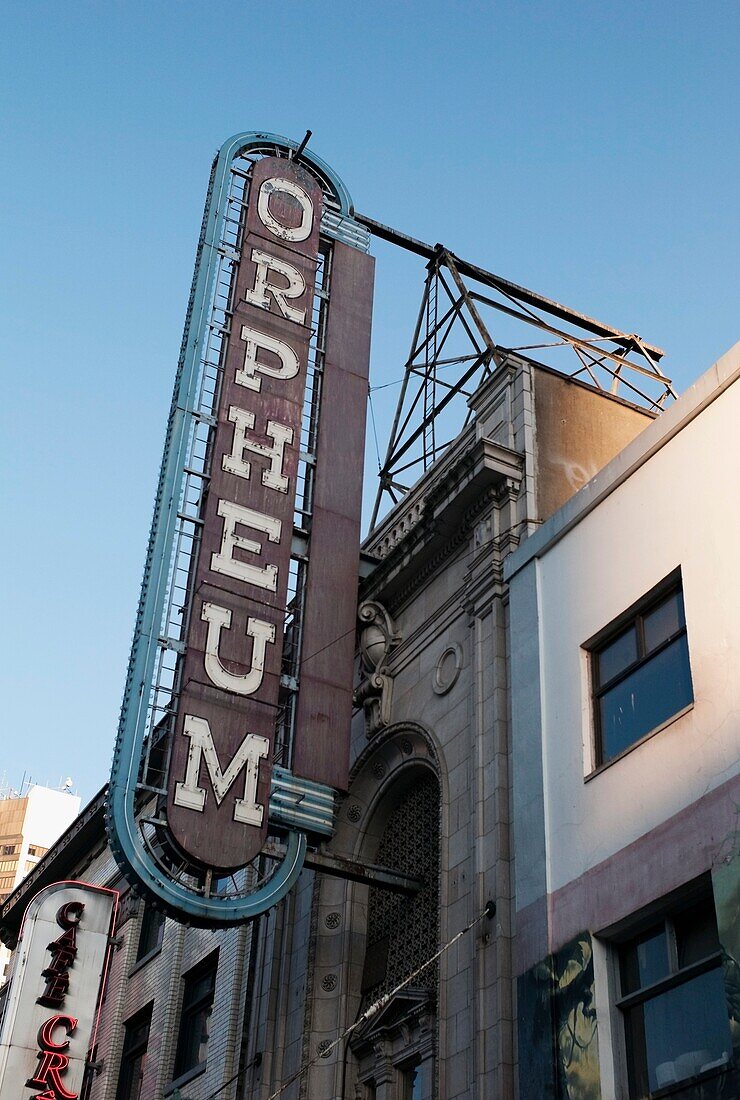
(205, 807)
(231, 679)
(52, 1003)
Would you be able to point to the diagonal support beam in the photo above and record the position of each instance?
(472, 309)
(520, 293)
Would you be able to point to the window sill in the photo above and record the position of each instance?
(636, 744)
(144, 960)
(185, 1078)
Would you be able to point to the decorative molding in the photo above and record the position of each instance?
(445, 677)
(378, 637)
(496, 482)
(467, 470)
(403, 734)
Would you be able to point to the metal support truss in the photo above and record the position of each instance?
(453, 352)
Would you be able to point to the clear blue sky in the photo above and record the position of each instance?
(586, 150)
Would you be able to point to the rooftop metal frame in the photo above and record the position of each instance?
(453, 352)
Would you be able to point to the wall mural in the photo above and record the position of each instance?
(558, 1043)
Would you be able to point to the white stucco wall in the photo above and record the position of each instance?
(678, 507)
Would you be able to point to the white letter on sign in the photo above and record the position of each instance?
(296, 286)
(285, 232)
(235, 463)
(260, 632)
(249, 374)
(223, 562)
(247, 810)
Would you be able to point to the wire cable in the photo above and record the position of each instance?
(487, 913)
(375, 427)
(374, 1008)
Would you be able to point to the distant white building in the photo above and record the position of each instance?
(29, 825)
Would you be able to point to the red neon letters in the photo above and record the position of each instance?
(63, 952)
(53, 1062)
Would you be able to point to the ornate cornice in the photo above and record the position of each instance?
(420, 535)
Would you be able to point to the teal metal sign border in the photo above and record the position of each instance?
(123, 832)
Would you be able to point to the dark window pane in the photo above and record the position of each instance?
(136, 1040)
(197, 1005)
(634, 1033)
(198, 988)
(648, 697)
(663, 621)
(696, 933)
(412, 1084)
(645, 961)
(687, 1030)
(617, 655)
(132, 1078)
(152, 929)
(136, 1035)
(193, 1045)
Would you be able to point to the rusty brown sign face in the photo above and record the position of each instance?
(324, 711)
(222, 748)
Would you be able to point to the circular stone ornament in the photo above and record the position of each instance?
(448, 669)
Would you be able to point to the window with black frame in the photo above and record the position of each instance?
(676, 1020)
(151, 933)
(412, 1083)
(135, 1043)
(195, 1018)
(640, 670)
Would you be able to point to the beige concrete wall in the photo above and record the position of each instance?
(577, 431)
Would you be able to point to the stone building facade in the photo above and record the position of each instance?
(247, 1012)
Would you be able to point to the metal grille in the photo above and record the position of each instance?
(402, 933)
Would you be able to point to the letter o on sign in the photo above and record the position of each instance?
(285, 232)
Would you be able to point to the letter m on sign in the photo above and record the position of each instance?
(192, 796)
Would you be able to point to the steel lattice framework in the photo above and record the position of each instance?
(453, 352)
